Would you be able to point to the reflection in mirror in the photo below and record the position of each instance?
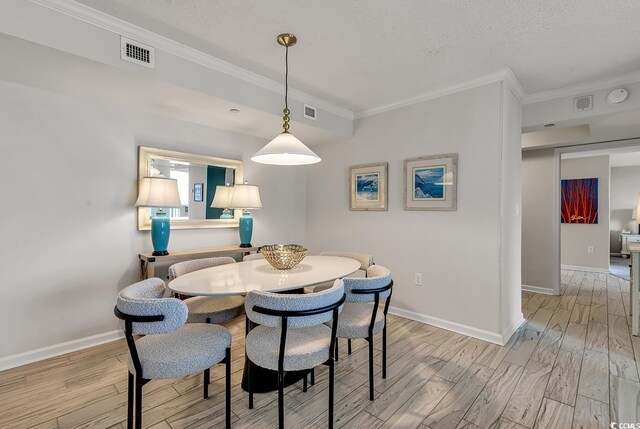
(196, 186)
(197, 177)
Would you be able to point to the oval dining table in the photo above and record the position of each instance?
(243, 277)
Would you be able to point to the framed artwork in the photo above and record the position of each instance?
(430, 182)
(579, 201)
(368, 186)
(197, 192)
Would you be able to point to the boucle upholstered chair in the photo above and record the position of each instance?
(365, 260)
(205, 309)
(360, 319)
(252, 257)
(169, 348)
(292, 335)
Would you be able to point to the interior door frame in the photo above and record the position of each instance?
(612, 144)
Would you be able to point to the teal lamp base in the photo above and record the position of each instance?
(160, 230)
(226, 214)
(246, 229)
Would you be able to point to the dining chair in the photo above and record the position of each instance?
(365, 260)
(207, 309)
(360, 319)
(252, 257)
(292, 335)
(169, 348)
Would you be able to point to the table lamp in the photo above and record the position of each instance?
(634, 216)
(159, 192)
(245, 197)
(222, 200)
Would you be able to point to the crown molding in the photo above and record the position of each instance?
(582, 88)
(505, 75)
(110, 23)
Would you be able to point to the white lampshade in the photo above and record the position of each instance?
(158, 192)
(245, 197)
(285, 149)
(635, 211)
(222, 197)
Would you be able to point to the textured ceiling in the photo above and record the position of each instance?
(367, 54)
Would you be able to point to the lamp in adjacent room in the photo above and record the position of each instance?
(634, 216)
(160, 193)
(285, 148)
(222, 200)
(245, 197)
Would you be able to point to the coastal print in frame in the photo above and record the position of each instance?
(368, 186)
(430, 182)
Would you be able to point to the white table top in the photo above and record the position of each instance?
(242, 277)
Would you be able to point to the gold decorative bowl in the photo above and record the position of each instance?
(283, 256)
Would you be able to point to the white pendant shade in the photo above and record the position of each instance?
(285, 149)
(222, 197)
(158, 192)
(245, 197)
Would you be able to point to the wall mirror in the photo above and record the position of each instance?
(197, 176)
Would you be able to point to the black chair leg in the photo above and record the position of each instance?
(206, 382)
(349, 345)
(138, 402)
(331, 382)
(384, 351)
(228, 388)
(370, 339)
(130, 402)
(313, 376)
(337, 349)
(304, 383)
(280, 400)
(249, 383)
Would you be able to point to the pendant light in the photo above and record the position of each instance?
(285, 148)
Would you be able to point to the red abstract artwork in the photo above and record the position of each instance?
(579, 202)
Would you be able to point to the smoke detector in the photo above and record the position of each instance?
(617, 96)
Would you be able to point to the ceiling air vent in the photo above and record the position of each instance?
(137, 53)
(584, 102)
(310, 113)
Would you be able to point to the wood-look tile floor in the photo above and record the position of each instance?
(573, 364)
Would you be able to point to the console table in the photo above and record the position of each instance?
(626, 238)
(635, 288)
(148, 261)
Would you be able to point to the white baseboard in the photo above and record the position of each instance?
(537, 289)
(481, 334)
(579, 268)
(507, 335)
(58, 349)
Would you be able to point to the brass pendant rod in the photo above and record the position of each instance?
(285, 117)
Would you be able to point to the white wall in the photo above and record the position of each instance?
(68, 229)
(625, 186)
(460, 253)
(538, 219)
(510, 212)
(575, 238)
(197, 174)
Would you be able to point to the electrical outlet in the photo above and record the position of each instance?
(418, 279)
(589, 249)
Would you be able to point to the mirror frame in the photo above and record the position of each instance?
(145, 154)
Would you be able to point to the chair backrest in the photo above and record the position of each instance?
(377, 277)
(252, 257)
(365, 259)
(186, 267)
(293, 303)
(145, 298)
